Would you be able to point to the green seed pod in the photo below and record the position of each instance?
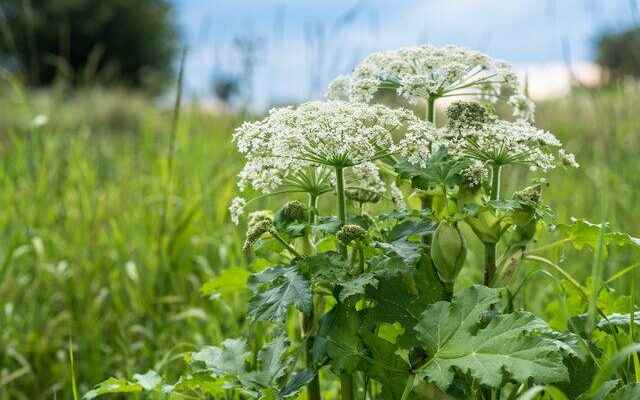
(448, 251)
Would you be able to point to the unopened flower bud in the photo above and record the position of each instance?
(255, 232)
(448, 251)
(468, 115)
(362, 195)
(293, 211)
(351, 232)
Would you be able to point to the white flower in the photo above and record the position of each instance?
(236, 209)
(397, 197)
(503, 142)
(333, 133)
(568, 159)
(367, 176)
(418, 141)
(339, 88)
(475, 173)
(428, 72)
(523, 107)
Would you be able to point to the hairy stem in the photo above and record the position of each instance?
(431, 110)
(490, 248)
(346, 386)
(313, 387)
(346, 380)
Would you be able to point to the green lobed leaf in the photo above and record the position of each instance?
(226, 360)
(402, 296)
(338, 339)
(628, 392)
(583, 233)
(357, 285)
(149, 380)
(453, 336)
(275, 290)
(271, 364)
(231, 280)
(113, 385)
(299, 381)
(385, 366)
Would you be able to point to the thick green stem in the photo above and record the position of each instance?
(431, 110)
(346, 380)
(313, 387)
(342, 205)
(346, 386)
(490, 248)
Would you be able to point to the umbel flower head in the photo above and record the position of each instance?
(474, 131)
(333, 134)
(364, 184)
(428, 72)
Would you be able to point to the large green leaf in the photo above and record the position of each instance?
(455, 339)
(403, 295)
(276, 289)
(271, 364)
(628, 392)
(357, 285)
(113, 385)
(338, 339)
(226, 360)
(385, 366)
(583, 233)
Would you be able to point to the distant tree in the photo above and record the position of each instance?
(131, 41)
(619, 53)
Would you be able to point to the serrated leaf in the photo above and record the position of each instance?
(410, 227)
(628, 392)
(618, 321)
(273, 298)
(149, 380)
(410, 252)
(202, 382)
(338, 339)
(385, 366)
(357, 285)
(226, 360)
(402, 296)
(231, 280)
(440, 170)
(271, 364)
(113, 385)
(296, 383)
(454, 338)
(583, 233)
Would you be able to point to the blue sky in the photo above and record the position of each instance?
(303, 44)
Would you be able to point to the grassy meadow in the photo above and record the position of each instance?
(106, 235)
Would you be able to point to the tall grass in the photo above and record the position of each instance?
(81, 205)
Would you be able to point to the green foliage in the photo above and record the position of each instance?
(275, 289)
(457, 336)
(81, 41)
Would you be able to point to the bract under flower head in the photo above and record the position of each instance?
(333, 134)
(424, 72)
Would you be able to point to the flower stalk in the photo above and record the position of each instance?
(313, 387)
(490, 247)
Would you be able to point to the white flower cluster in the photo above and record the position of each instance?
(397, 197)
(236, 209)
(503, 142)
(367, 176)
(427, 72)
(333, 133)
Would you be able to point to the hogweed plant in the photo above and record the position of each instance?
(357, 272)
